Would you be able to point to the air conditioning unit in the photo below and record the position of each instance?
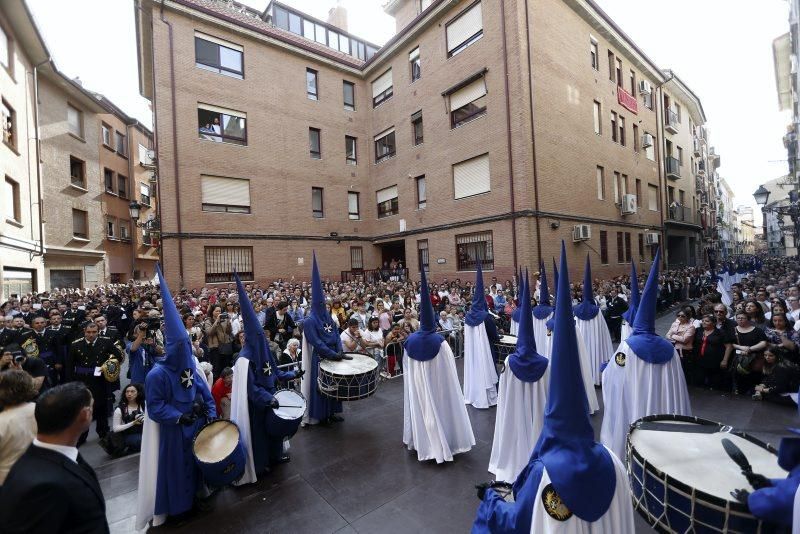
(581, 232)
(647, 140)
(651, 238)
(645, 88)
(151, 156)
(628, 204)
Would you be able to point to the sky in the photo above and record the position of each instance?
(723, 54)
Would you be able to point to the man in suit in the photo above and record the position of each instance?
(51, 488)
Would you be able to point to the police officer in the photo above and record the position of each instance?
(38, 342)
(19, 329)
(7, 332)
(62, 338)
(72, 318)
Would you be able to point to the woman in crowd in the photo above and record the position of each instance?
(222, 393)
(750, 343)
(296, 312)
(755, 313)
(126, 437)
(455, 298)
(681, 335)
(779, 378)
(291, 354)
(384, 316)
(219, 339)
(780, 333)
(397, 311)
(17, 422)
(708, 366)
(373, 338)
(394, 349)
(339, 314)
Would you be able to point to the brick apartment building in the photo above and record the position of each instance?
(490, 129)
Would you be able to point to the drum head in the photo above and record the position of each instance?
(360, 364)
(216, 441)
(698, 459)
(288, 399)
(508, 340)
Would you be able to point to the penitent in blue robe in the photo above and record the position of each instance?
(775, 504)
(497, 516)
(320, 344)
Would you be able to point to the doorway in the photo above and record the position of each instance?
(393, 252)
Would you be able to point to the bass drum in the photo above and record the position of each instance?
(348, 380)
(283, 422)
(219, 452)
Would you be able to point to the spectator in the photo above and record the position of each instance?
(750, 343)
(219, 338)
(373, 340)
(126, 429)
(711, 358)
(779, 378)
(681, 334)
(781, 334)
(291, 355)
(13, 357)
(17, 422)
(280, 324)
(222, 393)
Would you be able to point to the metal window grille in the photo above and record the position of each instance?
(473, 247)
(221, 262)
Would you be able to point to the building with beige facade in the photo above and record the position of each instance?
(483, 129)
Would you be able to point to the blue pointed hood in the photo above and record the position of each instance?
(644, 341)
(630, 313)
(516, 314)
(256, 348)
(177, 344)
(478, 311)
(424, 344)
(581, 470)
(543, 309)
(525, 362)
(328, 332)
(587, 309)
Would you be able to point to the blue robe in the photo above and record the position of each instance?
(140, 364)
(776, 503)
(178, 474)
(498, 516)
(321, 346)
(491, 333)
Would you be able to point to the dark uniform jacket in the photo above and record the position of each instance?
(82, 357)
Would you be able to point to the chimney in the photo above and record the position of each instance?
(337, 16)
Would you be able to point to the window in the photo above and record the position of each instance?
(387, 202)
(627, 247)
(468, 102)
(423, 259)
(319, 34)
(75, 121)
(317, 203)
(619, 72)
(611, 72)
(594, 54)
(314, 146)
(622, 130)
(111, 225)
(222, 125)
(471, 177)
(678, 111)
(620, 248)
(652, 197)
(647, 100)
(350, 150)
(356, 258)
(423, 5)
(124, 230)
(623, 186)
(333, 40)
(349, 92)
(122, 186)
(222, 262)
(9, 119)
(144, 194)
(416, 127)
(5, 49)
(422, 195)
(638, 193)
(382, 88)
(80, 228)
(650, 151)
(12, 201)
(108, 175)
(641, 248)
(601, 183)
(636, 140)
(415, 65)
(106, 131)
(144, 156)
(598, 129)
(464, 29)
(603, 247)
(225, 195)
(77, 172)
(614, 126)
(122, 146)
(385, 147)
(633, 83)
(312, 90)
(617, 180)
(473, 247)
(218, 56)
(353, 208)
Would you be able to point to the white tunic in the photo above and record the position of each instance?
(625, 331)
(586, 374)
(540, 330)
(636, 390)
(480, 376)
(519, 420)
(598, 343)
(435, 419)
(241, 416)
(514, 328)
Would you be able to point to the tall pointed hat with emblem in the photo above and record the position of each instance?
(425, 343)
(177, 344)
(630, 313)
(587, 309)
(525, 362)
(478, 311)
(256, 348)
(580, 469)
(543, 309)
(644, 341)
(319, 314)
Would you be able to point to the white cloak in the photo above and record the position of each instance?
(597, 338)
(480, 375)
(519, 420)
(540, 330)
(305, 381)
(625, 331)
(241, 416)
(618, 518)
(586, 374)
(514, 328)
(435, 419)
(636, 390)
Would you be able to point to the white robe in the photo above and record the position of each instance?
(618, 519)
(514, 328)
(480, 375)
(435, 419)
(586, 374)
(625, 331)
(241, 416)
(636, 390)
(598, 343)
(540, 330)
(518, 423)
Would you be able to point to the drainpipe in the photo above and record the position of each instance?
(533, 138)
(508, 135)
(38, 151)
(134, 186)
(661, 175)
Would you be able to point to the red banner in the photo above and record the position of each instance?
(627, 100)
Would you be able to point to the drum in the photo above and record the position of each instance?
(219, 452)
(681, 477)
(284, 421)
(505, 347)
(347, 380)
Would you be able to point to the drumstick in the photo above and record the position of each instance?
(737, 455)
(290, 406)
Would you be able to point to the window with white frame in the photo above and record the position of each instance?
(385, 146)
(144, 194)
(387, 202)
(422, 194)
(382, 88)
(468, 102)
(416, 66)
(353, 208)
(222, 125)
(80, 226)
(471, 177)
(106, 133)
(75, 120)
(226, 195)
(5, 49)
(464, 29)
(350, 150)
(218, 55)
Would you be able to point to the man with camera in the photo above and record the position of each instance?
(13, 357)
(143, 351)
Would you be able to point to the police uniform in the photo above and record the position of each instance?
(7, 336)
(41, 345)
(61, 340)
(82, 360)
(71, 319)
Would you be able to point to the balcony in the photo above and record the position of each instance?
(697, 147)
(671, 122)
(679, 213)
(701, 168)
(673, 167)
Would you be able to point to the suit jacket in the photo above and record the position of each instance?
(47, 492)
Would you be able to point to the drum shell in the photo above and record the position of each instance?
(505, 347)
(227, 470)
(351, 387)
(284, 428)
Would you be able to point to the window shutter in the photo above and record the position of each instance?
(226, 44)
(387, 194)
(381, 84)
(414, 54)
(229, 191)
(464, 27)
(352, 202)
(218, 109)
(384, 133)
(471, 177)
(144, 189)
(467, 94)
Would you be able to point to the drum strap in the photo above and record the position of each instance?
(686, 429)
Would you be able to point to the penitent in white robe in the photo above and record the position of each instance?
(637, 389)
(514, 328)
(540, 330)
(435, 419)
(518, 423)
(480, 374)
(597, 339)
(586, 374)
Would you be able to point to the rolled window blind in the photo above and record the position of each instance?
(382, 83)
(464, 27)
(467, 94)
(228, 191)
(471, 177)
(387, 194)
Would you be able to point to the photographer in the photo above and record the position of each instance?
(13, 357)
(143, 352)
(219, 338)
(126, 436)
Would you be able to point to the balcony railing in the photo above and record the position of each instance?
(671, 122)
(374, 276)
(678, 213)
(673, 167)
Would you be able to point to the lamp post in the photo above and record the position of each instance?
(135, 210)
(789, 207)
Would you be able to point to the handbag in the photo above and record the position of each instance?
(225, 349)
(744, 362)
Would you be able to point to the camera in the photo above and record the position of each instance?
(19, 358)
(223, 316)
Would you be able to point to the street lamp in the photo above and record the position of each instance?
(135, 210)
(761, 195)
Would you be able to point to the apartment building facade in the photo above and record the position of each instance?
(482, 129)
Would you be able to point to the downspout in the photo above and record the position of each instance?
(660, 160)
(134, 186)
(38, 151)
(508, 135)
(533, 138)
